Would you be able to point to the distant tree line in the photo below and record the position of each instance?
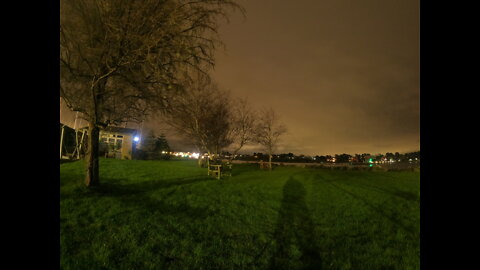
(337, 158)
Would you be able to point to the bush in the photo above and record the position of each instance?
(146, 155)
(139, 154)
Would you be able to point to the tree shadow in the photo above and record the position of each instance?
(295, 231)
(137, 197)
(138, 201)
(114, 187)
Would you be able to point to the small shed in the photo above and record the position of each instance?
(117, 142)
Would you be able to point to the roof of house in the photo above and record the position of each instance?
(120, 130)
(65, 125)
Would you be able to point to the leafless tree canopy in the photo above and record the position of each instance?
(268, 131)
(243, 121)
(210, 118)
(202, 114)
(120, 58)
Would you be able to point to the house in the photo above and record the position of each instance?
(117, 142)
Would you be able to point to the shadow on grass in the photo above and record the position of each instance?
(394, 192)
(114, 188)
(136, 198)
(378, 209)
(295, 228)
(63, 161)
(147, 213)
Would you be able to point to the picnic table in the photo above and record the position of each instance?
(219, 170)
(215, 170)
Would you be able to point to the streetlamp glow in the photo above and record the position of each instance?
(136, 139)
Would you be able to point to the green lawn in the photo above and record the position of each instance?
(170, 215)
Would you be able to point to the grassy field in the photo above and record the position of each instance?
(170, 215)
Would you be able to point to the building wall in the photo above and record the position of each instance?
(127, 143)
(127, 146)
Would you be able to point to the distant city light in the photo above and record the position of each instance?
(185, 154)
(136, 139)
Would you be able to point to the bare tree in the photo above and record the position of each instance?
(243, 122)
(202, 115)
(208, 117)
(267, 132)
(121, 59)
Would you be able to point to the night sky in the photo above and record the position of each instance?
(342, 74)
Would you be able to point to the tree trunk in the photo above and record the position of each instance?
(270, 162)
(200, 162)
(92, 177)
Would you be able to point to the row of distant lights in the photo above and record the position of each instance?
(370, 161)
(183, 154)
(177, 154)
(390, 161)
